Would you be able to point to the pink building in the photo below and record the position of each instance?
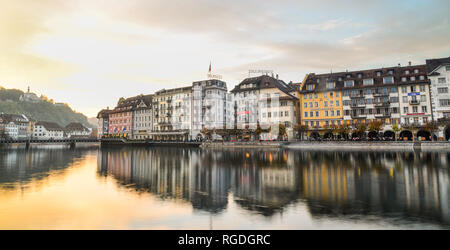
(121, 118)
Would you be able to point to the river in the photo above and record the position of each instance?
(189, 188)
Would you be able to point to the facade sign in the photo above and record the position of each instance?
(414, 94)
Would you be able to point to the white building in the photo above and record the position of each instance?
(209, 105)
(439, 76)
(268, 101)
(414, 96)
(47, 130)
(143, 118)
(77, 130)
(103, 123)
(14, 126)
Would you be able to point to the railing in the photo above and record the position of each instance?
(414, 102)
(381, 104)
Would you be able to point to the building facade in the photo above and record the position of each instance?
(121, 118)
(76, 130)
(14, 126)
(172, 114)
(209, 105)
(321, 101)
(103, 123)
(266, 101)
(438, 71)
(47, 131)
(143, 118)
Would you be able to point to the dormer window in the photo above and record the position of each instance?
(367, 82)
(403, 79)
(310, 87)
(348, 76)
(378, 73)
(407, 72)
(413, 78)
(359, 75)
(330, 85)
(317, 80)
(416, 71)
(391, 72)
(340, 79)
(422, 77)
(447, 68)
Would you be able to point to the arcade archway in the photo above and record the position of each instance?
(389, 136)
(423, 135)
(406, 135)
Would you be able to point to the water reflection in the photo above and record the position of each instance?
(19, 167)
(402, 187)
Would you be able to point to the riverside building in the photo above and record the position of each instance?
(143, 118)
(394, 95)
(172, 114)
(439, 74)
(268, 101)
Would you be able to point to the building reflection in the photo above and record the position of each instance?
(341, 184)
(20, 166)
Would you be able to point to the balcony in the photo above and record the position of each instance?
(380, 94)
(381, 104)
(361, 105)
(382, 115)
(357, 96)
(414, 102)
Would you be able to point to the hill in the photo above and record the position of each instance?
(14, 101)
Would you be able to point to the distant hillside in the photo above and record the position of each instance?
(42, 110)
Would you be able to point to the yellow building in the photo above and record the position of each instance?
(321, 102)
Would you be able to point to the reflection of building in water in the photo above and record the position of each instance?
(404, 184)
(342, 184)
(18, 167)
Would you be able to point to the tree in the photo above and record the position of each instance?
(335, 130)
(301, 130)
(361, 129)
(396, 130)
(282, 130)
(375, 126)
(344, 129)
(258, 131)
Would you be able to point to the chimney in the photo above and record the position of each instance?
(277, 76)
(399, 64)
(409, 63)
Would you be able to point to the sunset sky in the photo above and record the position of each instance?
(90, 53)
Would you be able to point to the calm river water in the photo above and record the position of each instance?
(185, 188)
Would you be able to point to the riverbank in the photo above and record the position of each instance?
(241, 144)
(368, 146)
(68, 145)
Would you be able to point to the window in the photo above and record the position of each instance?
(315, 95)
(310, 96)
(413, 88)
(407, 72)
(403, 79)
(388, 80)
(309, 87)
(378, 73)
(311, 114)
(404, 89)
(338, 112)
(306, 114)
(422, 77)
(331, 85)
(422, 88)
(405, 99)
(359, 75)
(405, 110)
(332, 112)
(444, 102)
(423, 98)
(286, 113)
(326, 104)
(326, 113)
(316, 104)
(443, 90)
(416, 71)
(305, 105)
(312, 124)
(413, 78)
(441, 80)
(415, 109)
(337, 103)
(337, 94)
(349, 84)
(317, 113)
(424, 109)
(447, 68)
(310, 105)
(390, 72)
(367, 82)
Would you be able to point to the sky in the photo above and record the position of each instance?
(91, 53)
